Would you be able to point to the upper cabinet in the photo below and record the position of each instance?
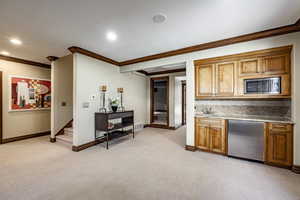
(225, 81)
(250, 67)
(225, 77)
(205, 80)
(278, 64)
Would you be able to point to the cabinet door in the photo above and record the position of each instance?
(279, 147)
(250, 67)
(217, 140)
(225, 79)
(277, 64)
(202, 137)
(204, 75)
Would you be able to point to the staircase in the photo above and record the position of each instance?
(67, 137)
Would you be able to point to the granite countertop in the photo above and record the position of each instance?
(248, 117)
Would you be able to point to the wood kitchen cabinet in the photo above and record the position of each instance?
(204, 80)
(223, 77)
(225, 81)
(276, 64)
(202, 136)
(250, 67)
(210, 135)
(279, 144)
(215, 80)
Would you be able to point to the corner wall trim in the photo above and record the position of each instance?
(296, 169)
(86, 145)
(23, 61)
(143, 72)
(298, 22)
(52, 140)
(190, 148)
(242, 38)
(93, 55)
(52, 58)
(24, 137)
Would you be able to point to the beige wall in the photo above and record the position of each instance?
(62, 91)
(89, 75)
(20, 123)
(271, 42)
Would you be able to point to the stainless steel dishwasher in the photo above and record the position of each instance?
(246, 139)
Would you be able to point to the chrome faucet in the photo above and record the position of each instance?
(207, 110)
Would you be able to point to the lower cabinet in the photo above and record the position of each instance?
(279, 144)
(210, 135)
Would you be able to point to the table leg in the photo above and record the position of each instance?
(133, 131)
(107, 140)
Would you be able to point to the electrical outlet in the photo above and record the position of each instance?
(86, 104)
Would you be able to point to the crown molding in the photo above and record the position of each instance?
(143, 72)
(23, 61)
(161, 72)
(52, 58)
(243, 38)
(298, 22)
(167, 72)
(93, 55)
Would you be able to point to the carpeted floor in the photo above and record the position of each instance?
(152, 166)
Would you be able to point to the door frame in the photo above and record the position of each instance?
(1, 107)
(152, 101)
(183, 102)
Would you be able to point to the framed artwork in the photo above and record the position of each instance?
(29, 94)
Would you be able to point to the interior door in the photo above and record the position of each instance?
(183, 103)
(159, 115)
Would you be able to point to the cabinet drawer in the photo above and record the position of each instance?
(217, 123)
(280, 127)
(204, 121)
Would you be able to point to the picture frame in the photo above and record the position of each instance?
(29, 94)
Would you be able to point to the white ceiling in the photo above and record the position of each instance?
(49, 27)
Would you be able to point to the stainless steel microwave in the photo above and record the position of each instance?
(263, 85)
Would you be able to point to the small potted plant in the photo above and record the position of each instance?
(114, 104)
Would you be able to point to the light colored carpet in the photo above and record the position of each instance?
(153, 166)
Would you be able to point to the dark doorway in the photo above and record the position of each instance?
(159, 115)
(183, 86)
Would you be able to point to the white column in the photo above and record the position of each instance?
(296, 100)
(52, 100)
(190, 102)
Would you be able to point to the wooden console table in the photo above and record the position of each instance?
(102, 123)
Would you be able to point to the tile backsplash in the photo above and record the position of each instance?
(279, 108)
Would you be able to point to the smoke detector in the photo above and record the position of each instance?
(159, 18)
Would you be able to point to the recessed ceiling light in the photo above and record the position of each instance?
(5, 53)
(159, 18)
(111, 36)
(15, 41)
